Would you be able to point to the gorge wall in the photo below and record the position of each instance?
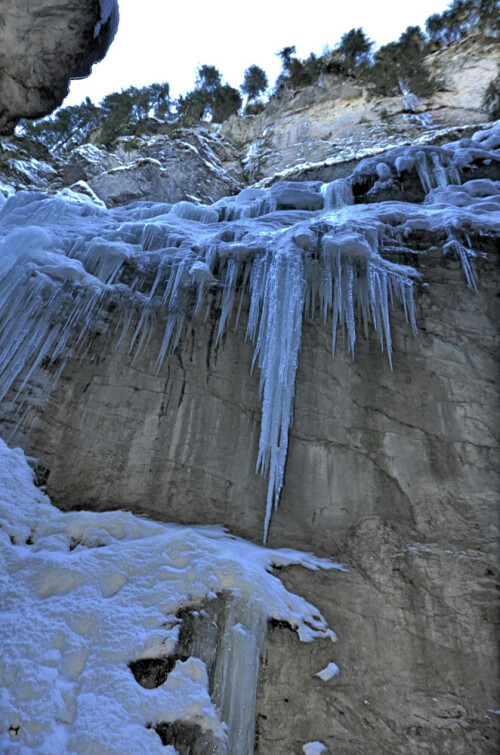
(42, 46)
(339, 119)
(393, 472)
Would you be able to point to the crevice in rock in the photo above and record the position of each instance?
(151, 673)
(187, 738)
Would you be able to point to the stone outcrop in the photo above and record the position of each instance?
(339, 118)
(194, 164)
(43, 44)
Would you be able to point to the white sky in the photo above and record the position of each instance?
(166, 40)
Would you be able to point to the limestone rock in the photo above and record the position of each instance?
(337, 119)
(25, 167)
(194, 165)
(43, 44)
(465, 69)
(86, 162)
(391, 472)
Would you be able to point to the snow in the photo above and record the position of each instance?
(314, 748)
(82, 192)
(292, 251)
(84, 594)
(329, 672)
(109, 14)
(356, 151)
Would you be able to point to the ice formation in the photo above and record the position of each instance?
(85, 594)
(270, 256)
(329, 672)
(314, 748)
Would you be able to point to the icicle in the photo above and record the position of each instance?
(289, 252)
(237, 672)
(276, 353)
(338, 193)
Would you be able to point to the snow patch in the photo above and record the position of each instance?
(314, 748)
(329, 672)
(84, 594)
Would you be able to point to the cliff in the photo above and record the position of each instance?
(341, 117)
(42, 46)
(153, 354)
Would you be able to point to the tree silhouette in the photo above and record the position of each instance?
(208, 78)
(255, 82)
(354, 48)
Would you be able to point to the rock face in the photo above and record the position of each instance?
(196, 164)
(338, 118)
(43, 44)
(191, 164)
(391, 472)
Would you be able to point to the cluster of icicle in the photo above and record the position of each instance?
(291, 251)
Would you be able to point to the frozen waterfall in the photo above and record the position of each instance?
(69, 269)
(91, 602)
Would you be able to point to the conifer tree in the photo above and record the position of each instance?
(354, 49)
(255, 82)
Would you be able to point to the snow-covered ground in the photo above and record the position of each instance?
(83, 594)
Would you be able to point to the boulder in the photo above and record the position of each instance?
(43, 44)
(192, 165)
(86, 162)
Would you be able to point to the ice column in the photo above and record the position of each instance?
(276, 353)
(237, 672)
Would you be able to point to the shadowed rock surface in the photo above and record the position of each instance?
(44, 44)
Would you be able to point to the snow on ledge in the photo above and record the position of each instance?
(84, 594)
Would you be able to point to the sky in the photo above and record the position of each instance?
(160, 40)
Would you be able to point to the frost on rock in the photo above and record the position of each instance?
(296, 249)
(109, 16)
(85, 595)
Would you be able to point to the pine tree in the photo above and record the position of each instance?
(255, 82)
(354, 49)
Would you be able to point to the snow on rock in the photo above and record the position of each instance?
(314, 748)
(81, 188)
(295, 250)
(329, 672)
(84, 594)
(193, 162)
